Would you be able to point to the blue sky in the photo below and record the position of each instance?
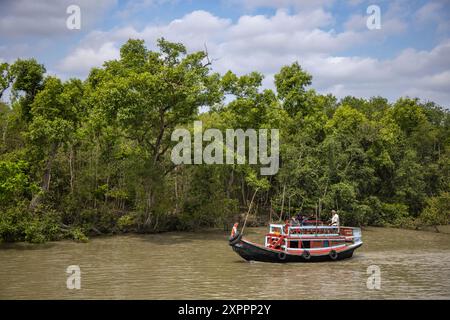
(408, 56)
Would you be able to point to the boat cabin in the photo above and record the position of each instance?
(311, 235)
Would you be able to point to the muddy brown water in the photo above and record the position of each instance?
(413, 265)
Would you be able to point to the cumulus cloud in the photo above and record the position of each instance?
(304, 4)
(10, 53)
(267, 42)
(134, 6)
(429, 12)
(46, 17)
(83, 59)
(251, 36)
(434, 12)
(423, 74)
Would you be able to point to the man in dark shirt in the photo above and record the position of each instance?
(300, 219)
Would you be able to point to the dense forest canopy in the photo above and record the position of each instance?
(93, 156)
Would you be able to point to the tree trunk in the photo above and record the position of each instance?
(45, 186)
(148, 209)
(282, 203)
(230, 184)
(244, 197)
(176, 191)
(5, 130)
(72, 173)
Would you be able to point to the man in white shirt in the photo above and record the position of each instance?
(334, 219)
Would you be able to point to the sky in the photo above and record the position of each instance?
(409, 55)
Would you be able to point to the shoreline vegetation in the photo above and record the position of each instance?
(440, 229)
(86, 157)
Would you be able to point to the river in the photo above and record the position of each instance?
(412, 264)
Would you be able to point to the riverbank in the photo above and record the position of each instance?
(77, 235)
(441, 229)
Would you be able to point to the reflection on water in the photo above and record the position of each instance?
(414, 265)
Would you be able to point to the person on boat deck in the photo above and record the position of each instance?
(294, 221)
(334, 218)
(300, 219)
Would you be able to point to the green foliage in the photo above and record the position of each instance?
(394, 212)
(79, 158)
(126, 222)
(437, 211)
(134, 54)
(257, 184)
(12, 222)
(291, 85)
(78, 235)
(17, 223)
(15, 183)
(28, 76)
(5, 77)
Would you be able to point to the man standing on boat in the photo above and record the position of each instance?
(334, 219)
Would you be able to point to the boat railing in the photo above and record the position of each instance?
(287, 230)
(283, 233)
(294, 230)
(315, 249)
(316, 230)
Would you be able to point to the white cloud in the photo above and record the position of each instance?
(194, 29)
(392, 23)
(277, 4)
(83, 59)
(356, 22)
(429, 12)
(10, 53)
(266, 43)
(423, 74)
(434, 12)
(134, 6)
(46, 17)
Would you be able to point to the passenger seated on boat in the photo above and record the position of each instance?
(300, 219)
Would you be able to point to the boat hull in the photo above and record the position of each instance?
(254, 252)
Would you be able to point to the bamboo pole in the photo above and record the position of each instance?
(289, 206)
(317, 216)
(282, 203)
(249, 209)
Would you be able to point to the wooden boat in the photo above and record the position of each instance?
(310, 242)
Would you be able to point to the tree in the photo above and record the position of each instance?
(291, 83)
(28, 78)
(93, 156)
(5, 77)
(437, 211)
(54, 115)
(14, 183)
(147, 94)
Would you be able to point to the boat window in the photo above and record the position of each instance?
(293, 244)
(306, 244)
(326, 243)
